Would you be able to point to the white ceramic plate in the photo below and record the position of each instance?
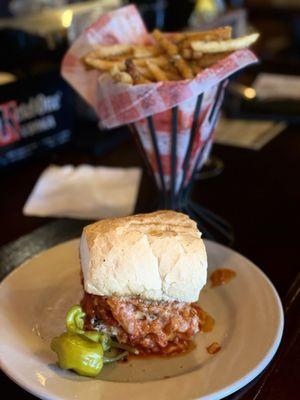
(34, 300)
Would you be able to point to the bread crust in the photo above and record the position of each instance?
(155, 256)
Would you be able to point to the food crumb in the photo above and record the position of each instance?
(213, 348)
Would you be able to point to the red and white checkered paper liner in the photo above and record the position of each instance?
(118, 104)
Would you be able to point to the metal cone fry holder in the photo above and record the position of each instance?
(212, 226)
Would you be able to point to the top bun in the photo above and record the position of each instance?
(156, 256)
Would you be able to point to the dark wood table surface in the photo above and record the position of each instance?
(258, 192)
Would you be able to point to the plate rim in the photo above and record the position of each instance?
(217, 395)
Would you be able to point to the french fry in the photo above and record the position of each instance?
(171, 72)
(190, 54)
(196, 68)
(160, 61)
(187, 53)
(175, 36)
(223, 33)
(224, 45)
(170, 48)
(208, 58)
(124, 77)
(197, 54)
(170, 68)
(183, 67)
(173, 76)
(146, 73)
(156, 71)
(105, 51)
(146, 51)
(91, 54)
(132, 69)
(121, 77)
(104, 65)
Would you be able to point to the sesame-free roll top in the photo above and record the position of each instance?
(158, 256)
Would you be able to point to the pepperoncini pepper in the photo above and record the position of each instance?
(75, 324)
(80, 350)
(99, 337)
(75, 320)
(78, 353)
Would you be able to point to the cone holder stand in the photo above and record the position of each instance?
(210, 224)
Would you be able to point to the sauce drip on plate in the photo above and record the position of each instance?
(221, 276)
(207, 321)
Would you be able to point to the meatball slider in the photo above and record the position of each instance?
(142, 275)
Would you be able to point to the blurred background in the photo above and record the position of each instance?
(43, 121)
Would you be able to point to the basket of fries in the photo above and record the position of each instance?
(167, 86)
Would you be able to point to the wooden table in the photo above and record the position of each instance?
(258, 192)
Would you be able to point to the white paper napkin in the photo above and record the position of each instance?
(84, 192)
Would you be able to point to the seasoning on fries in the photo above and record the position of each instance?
(169, 57)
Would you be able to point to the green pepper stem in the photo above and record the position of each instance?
(124, 347)
(107, 360)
